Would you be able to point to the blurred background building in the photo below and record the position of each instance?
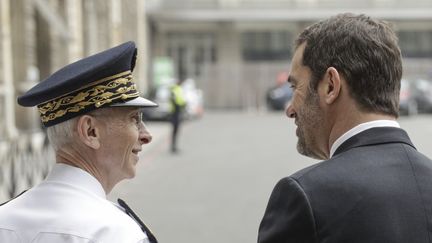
(232, 50)
(235, 48)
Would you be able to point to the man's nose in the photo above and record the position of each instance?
(144, 135)
(289, 111)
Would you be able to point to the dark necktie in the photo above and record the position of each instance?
(132, 214)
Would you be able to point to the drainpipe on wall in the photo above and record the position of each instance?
(116, 21)
(8, 89)
(74, 22)
(143, 47)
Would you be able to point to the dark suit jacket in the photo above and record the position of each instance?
(376, 188)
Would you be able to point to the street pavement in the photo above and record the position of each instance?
(216, 189)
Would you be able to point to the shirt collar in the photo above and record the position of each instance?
(360, 128)
(76, 177)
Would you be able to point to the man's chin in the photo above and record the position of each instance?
(131, 173)
(303, 150)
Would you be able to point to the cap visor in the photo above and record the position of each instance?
(137, 102)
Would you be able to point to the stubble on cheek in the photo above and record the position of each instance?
(309, 121)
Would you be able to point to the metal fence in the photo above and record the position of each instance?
(24, 162)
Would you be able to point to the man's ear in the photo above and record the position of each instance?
(88, 132)
(331, 85)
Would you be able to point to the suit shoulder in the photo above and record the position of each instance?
(288, 216)
(308, 170)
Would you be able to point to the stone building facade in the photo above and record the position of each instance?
(234, 49)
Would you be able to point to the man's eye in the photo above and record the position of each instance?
(137, 118)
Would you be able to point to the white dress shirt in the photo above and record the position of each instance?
(70, 206)
(360, 128)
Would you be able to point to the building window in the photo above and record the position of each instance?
(266, 45)
(190, 52)
(416, 43)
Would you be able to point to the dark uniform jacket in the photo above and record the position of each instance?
(375, 189)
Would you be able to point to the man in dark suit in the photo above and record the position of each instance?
(373, 185)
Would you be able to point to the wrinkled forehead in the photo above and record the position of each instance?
(297, 59)
(300, 74)
(115, 111)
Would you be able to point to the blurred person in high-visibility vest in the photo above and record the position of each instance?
(177, 106)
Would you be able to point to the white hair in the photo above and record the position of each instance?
(61, 134)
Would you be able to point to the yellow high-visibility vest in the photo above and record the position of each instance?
(177, 96)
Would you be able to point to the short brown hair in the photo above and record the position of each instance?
(364, 51)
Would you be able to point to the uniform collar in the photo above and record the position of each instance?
(76, 177)
(360, 128)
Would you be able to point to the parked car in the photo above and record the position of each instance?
(407, 102)
(423, 94)
(194, 99)
(277, 97)
(162, 94)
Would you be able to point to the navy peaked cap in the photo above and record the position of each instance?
(101, 80)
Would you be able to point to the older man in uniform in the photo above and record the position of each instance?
(91, 109)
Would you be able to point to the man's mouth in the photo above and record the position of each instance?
(136, 151)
